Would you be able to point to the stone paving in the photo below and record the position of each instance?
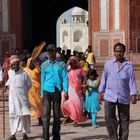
(83, 132)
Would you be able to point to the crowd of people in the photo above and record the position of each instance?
(71, 87)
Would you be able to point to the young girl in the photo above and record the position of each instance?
(91, 102)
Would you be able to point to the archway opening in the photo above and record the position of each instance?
(72, 30)
(44, 18)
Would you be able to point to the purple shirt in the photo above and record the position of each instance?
(118, 83)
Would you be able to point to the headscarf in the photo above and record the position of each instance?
(29, 62)
(74, 58)
(13, 59)
(35, 53)
(6, 64)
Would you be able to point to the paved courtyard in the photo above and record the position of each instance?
(83, 132)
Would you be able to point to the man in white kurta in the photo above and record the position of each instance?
(19, 115)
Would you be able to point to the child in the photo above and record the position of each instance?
(91, 101)
(19, 84)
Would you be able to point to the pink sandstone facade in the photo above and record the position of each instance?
(112, 21)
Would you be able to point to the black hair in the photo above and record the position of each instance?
(121, 45)
(68, 51)
(59, 49)
(63, 51)
(89, 46)
(93, 72)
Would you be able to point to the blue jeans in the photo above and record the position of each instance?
(48, 100)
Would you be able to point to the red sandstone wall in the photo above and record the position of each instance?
(16, 21)
(12, 38)
(103, 41)
(135, 26)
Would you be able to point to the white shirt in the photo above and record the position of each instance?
(19, 84)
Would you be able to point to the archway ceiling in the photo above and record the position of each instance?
(45, 14)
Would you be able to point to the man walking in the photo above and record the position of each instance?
(19, 84)
(54, 79)
(119, 87)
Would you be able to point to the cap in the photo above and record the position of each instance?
(51, 47)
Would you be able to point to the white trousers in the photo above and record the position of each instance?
(19, 123)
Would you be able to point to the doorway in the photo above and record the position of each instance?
(40, 18)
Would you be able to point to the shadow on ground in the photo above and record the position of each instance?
(96, 137)
(65, 133)
(132, 121)
(33, 138)
(100, 124)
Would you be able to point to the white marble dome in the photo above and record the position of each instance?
(78, 11)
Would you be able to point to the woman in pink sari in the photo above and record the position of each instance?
(73, 107)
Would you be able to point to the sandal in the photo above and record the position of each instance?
(75, 124)
(95, 126)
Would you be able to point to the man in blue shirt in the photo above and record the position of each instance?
(54, 79)
(119, 87)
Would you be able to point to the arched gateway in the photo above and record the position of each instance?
(26, 23)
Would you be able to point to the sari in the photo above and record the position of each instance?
(36, 106)
(73, 107)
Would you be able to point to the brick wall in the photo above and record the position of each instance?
(104, 47)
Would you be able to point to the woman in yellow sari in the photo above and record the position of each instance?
(35, 100)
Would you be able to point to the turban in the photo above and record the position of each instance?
(13, 59)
